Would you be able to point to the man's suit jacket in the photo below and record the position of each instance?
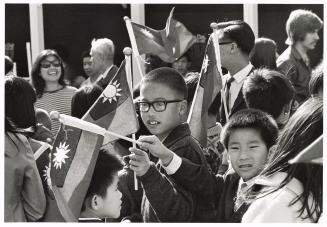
(239, 104)
(103, 82)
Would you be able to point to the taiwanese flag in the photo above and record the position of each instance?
(42, 153)
(168, 44)
(75, 151)
(208, 87)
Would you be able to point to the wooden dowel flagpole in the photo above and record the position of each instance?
(86, 126)
(128, 66)
(215, 36)
(135, 50)
(29, 60)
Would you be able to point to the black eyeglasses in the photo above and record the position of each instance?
(158, 106)
(226, 42)
(47, 64)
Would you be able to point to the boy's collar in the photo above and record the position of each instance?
(180, 131)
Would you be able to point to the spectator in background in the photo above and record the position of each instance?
(9, 66)
(24, 195)
(87, 67)
(269, 91)
(182, 64)
(236, 41)
(264, 53)
(51, 90)
(102, 56)
(316, 84)
(290, 192)
(154, 62)
(302, 28)
(84, 98)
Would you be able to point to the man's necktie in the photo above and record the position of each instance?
(228, 84)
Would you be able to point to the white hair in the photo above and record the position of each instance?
(104, 46)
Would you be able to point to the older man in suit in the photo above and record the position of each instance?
(102, 57)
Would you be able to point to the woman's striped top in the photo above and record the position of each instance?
(59, 100)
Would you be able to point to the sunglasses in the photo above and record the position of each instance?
(48, 64)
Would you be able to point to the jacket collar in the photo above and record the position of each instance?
(179, 132)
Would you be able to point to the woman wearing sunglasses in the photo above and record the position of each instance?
(51, 90)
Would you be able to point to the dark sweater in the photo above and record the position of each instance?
(163, 199)
(212, 189)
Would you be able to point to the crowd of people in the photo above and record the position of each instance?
(273, 111)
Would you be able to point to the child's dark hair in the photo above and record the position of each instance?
(253, 119)
(106, 167)
(169, 77)
(317, 80)
(84, 98)
(267, 90)
(19, 102)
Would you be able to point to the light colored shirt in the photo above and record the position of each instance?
(275, 207)
(236, 85)
(173, 166)
(60, 101)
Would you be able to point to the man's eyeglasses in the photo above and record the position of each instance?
(226, 42)
(47, 64)
(158, 106)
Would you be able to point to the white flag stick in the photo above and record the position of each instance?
(29, 59)
(215, 35)
(135, 50)
(128, 68)
(86, 126)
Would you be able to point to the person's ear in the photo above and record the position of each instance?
(233, 47)
(96, 202)
(183, 107)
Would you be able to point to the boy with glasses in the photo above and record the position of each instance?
(163, 95)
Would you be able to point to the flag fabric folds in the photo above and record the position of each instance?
(75, 151)
(208, 87)
(168, 44)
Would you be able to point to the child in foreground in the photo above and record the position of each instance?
(247, 136)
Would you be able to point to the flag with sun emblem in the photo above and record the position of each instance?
(208, 87)
(168, 44)
(114, 108)
(75, 151)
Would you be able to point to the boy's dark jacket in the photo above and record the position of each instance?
(218, 189)
(166, 201)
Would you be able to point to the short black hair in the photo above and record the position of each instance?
(84, 98)
(254, 119)
(317, 80)
(86, 53)
(19, 102)
(239, 32)
(169, 77)
(107, 165)
(267, 90)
